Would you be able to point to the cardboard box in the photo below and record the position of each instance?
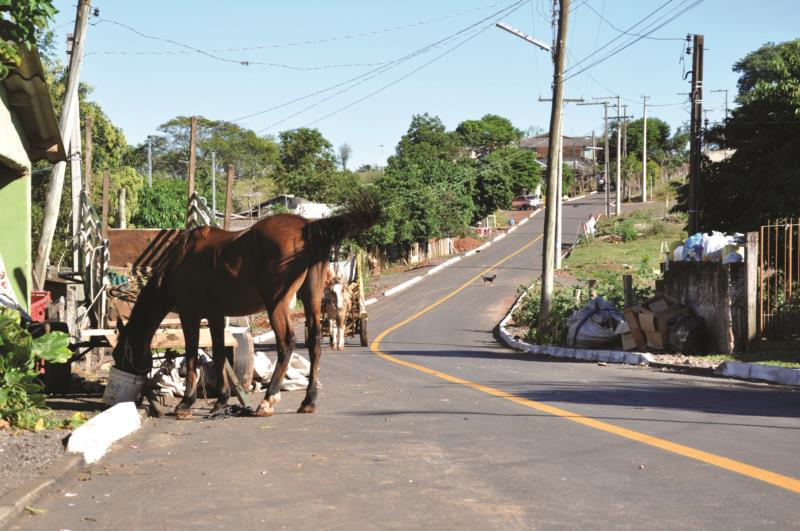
(658, 305)
(665, 318)
(632, 318)
(647, 321)
(657, 340)
(628, 343)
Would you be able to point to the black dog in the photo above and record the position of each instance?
(489, 278)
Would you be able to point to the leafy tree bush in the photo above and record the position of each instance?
(164, 206)
(554, 332)
(21, 398)
(19, 24)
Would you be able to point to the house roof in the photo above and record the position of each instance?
(29, 100)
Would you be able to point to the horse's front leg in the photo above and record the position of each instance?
(191, 334)
(284, 338)
(311, 305)
(217, 327)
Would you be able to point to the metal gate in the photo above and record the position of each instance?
(779, 280)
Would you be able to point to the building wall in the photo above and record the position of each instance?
(15, 204)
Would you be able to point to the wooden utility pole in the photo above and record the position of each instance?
(644, 149)
(214, 183)
(104, 215)
(65, 126)
(625, 131)
(87, 160)
(149, 162)
(695, 135)
(548, 258)
(192, 153)
(229, 197)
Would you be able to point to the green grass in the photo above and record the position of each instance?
(791, 361)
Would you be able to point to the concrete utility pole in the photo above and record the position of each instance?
(606, 180)
(559, 207)
(214, 182)
(618, 208)
(695, 135)
(87, 170)
(122, 221)
(192, 153)
(625, 131)
(644, 149)
(548, 258)
(149, 162)
(76, 183)
(104, 214)
(65, 126)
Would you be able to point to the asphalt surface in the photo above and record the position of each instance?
(419, 438)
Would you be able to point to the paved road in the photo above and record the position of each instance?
(447, 430)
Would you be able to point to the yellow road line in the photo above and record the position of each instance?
(773, 478)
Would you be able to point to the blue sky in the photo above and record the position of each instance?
(142, 82)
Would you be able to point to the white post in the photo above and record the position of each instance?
(122, 221)
(76, 184)
(214, 183)
(559, 201)
(149, 162)
(644, 149)
(618, 209)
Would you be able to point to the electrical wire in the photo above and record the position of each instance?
(603, 19)
(193, 49)
(362, 78)
(634, 41)
(609, 43)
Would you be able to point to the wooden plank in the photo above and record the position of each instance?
(238, 390)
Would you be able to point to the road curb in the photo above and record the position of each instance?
(729, 369)
(13, 503)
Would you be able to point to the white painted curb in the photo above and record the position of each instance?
(608, 356)
(752, 371)
(94, 438)
(402, 286)
(373, 300)
(263, 338)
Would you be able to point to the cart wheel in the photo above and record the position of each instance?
(364, 337)
(243, 356)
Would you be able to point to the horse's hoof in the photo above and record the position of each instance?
(307, 408)
(183, 413)
(262, 412)
(156, 411)
(218, 406)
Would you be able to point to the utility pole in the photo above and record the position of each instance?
(644, 149)
(726, 101)
(87, 170)
(76, 183)
(104, 211)
(606, 180)
(560, 201)
(149, 162)
(229, 197)
(192, 154)
(696, 133)
(214, 183)
(65, 126)
(594, 154)
(548, 258)
(618, 208)
(625, 131)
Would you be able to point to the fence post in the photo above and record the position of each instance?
(627, 284)
(229, 197)
(751, 278)
(104, 226)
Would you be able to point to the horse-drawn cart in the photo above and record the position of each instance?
(349, 309)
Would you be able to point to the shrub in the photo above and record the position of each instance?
(21, 398)
(553, 332)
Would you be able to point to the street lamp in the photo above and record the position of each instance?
(514, 31)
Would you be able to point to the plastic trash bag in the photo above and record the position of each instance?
(688, 335)
(594, 325)
(693, 244)
(677, 255)
(713, 245)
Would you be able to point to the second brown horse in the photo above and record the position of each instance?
(211, 273)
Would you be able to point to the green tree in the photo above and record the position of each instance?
(761, 178)
(489, 133)
(524, 172)
(20, 23)
(426, 138)
(163, 206)
(345, 151)
(302, 148)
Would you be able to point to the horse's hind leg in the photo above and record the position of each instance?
(191, 334)
(284, 338)
(217, 328)
(311, 295)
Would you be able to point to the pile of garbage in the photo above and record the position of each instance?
(714, 247)
(662, 323)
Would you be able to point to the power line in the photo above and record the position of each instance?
(362, 78)
(634, 41)
(603, 19)
(193, 49)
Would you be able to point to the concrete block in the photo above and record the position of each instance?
(95, 437)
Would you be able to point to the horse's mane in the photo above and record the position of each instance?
(320, 235)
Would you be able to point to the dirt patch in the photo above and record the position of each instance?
(466, 244)
(25, 455)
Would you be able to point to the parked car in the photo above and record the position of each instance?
(525, 202)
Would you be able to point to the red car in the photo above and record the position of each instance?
(525, 202)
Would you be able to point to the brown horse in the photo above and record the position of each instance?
(211, 273)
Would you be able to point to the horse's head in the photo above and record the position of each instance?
(131, 354)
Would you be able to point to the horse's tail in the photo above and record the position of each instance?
(320, 235)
